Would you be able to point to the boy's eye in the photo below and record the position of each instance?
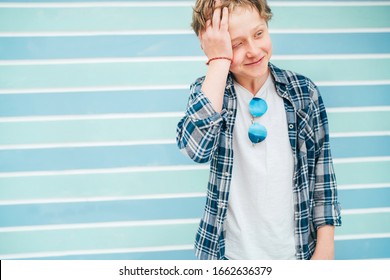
(259, 33)
(237, 45)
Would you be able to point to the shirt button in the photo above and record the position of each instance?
(211, 122)
(290, 126)
(227, 174)
(230, 112)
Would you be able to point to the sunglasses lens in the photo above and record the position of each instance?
(257, 133)
(257, 107)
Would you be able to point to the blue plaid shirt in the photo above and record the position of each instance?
(206, 135)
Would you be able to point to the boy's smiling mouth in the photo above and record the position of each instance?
(255, 62)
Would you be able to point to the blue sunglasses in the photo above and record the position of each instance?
(257, 132)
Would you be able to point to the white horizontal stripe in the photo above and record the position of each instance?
(104, 60)
(162, 115)
(326, 3)
(152, 142)
(326, 31)
(101, 33)
(157, 196)
(97, 252)
(114, 4)
(166, 87)
(181, 59)
(153, 222)
(361, 159)
(156, 168)
(106, 170)
(101, 199)
(358, 109)
(353, 83)
(359, 134)
(87, 144)
(361, 236)
(186, 32)
(93, 117)
(93, 89)
(331, 56)
(364, 186)
(100, 225)
(365, 211)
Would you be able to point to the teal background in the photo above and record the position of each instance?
(90, 95)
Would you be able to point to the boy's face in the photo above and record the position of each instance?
(252, 47)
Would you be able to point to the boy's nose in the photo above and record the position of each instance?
(251, 49)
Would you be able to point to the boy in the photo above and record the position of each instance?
(272, 189)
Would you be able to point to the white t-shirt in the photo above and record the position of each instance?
(260, 216)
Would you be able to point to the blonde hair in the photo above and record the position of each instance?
(204, 9)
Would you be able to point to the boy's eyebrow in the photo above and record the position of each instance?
(253, 29)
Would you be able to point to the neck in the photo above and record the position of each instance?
(253, 85)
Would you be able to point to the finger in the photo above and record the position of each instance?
(225, 19)
(216, 18)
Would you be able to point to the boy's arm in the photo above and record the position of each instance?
(326, 212)
(215, 42)
(215, 82)
(325, 244)
(198, 131)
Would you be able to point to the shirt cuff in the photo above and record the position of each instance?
(327, 214)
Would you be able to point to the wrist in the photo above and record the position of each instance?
(220, 66)
(219, 58)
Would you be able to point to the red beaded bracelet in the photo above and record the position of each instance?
(218, 57)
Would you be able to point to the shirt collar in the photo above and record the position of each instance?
(281, 83)
(278, 74)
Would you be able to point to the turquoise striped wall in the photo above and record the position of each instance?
(90, 94)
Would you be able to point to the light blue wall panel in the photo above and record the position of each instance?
(12, 48)
(163, 100)
(61, 194)
(51, 159)
(104, 211)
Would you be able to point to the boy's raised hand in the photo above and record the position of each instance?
(215, 38)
